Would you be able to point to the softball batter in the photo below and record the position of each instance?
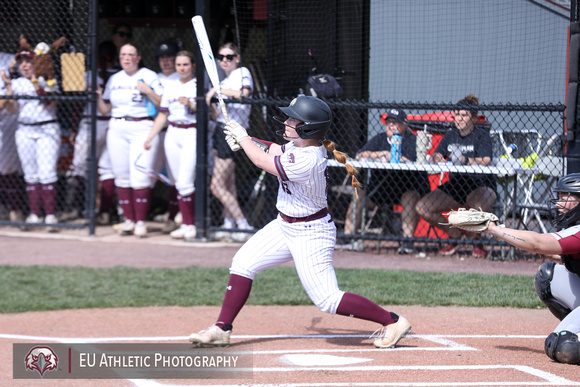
(557, 285)
(303, 231)
(37, 141)
(178, 109)
(126, 98)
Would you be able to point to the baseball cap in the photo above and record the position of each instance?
(396, 114)
(25, 54)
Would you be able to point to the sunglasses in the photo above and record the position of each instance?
(229, 58)
(123, 34)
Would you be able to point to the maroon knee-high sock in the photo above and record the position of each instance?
(49, 198)
(126, 202)
(187, 208)
(141, 202)
(34, 201)
(357, 306)
(107, 195)
(237, 294)
(173, 205)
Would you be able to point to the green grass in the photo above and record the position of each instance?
(37, 288)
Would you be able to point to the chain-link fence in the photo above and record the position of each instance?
(54, 161)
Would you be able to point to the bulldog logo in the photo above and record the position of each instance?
(41, 359)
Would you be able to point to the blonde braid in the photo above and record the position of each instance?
(341, 158)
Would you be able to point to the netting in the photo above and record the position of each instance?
(363, 57)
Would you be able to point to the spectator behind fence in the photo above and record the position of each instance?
(165, 54)
(387, 188)
(557, 285)
(122, 34)
(178, 109)
(466, 144)
(37, 140)
(237, 84)
(131, 98)
(10, 169)
(81, 139)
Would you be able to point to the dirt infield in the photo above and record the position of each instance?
(292, 345)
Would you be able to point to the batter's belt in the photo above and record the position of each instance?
(290, 219)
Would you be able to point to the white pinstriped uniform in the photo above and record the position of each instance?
(302, 192)
(125, 138)
(180, 144)
(37, 136)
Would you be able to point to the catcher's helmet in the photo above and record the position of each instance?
(314, 113)
(567, 184)
(167, 48)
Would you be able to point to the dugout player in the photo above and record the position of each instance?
(37, 141)
(238, 83)
(81, 139)
(557, 285)
(303, 231)
(178, 109)
(165, 55)
(127, 96)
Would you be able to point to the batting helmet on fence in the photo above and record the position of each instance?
(314, 113)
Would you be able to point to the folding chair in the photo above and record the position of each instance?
(550, 165)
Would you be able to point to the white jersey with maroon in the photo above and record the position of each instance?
(126, 100)
(239, 79)
(310, 244)
(303, 180)
(32, 111)
(38, 134)
(170, 101)
(164, 79)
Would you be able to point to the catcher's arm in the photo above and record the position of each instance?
(531, 241)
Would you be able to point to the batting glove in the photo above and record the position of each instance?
(232, 143)
(236, 130)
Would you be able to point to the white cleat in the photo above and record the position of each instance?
(140, 230)
(190, 233)
(127, 227)
(179, 233)
(389, 335)
(51, 219)
(212, 336)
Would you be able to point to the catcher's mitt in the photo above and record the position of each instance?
(470, 220)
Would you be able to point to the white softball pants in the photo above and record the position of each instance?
(565, 287)
(38, 148)
(181, 152)
(83, 146)
(125, 141)
(309, 244)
